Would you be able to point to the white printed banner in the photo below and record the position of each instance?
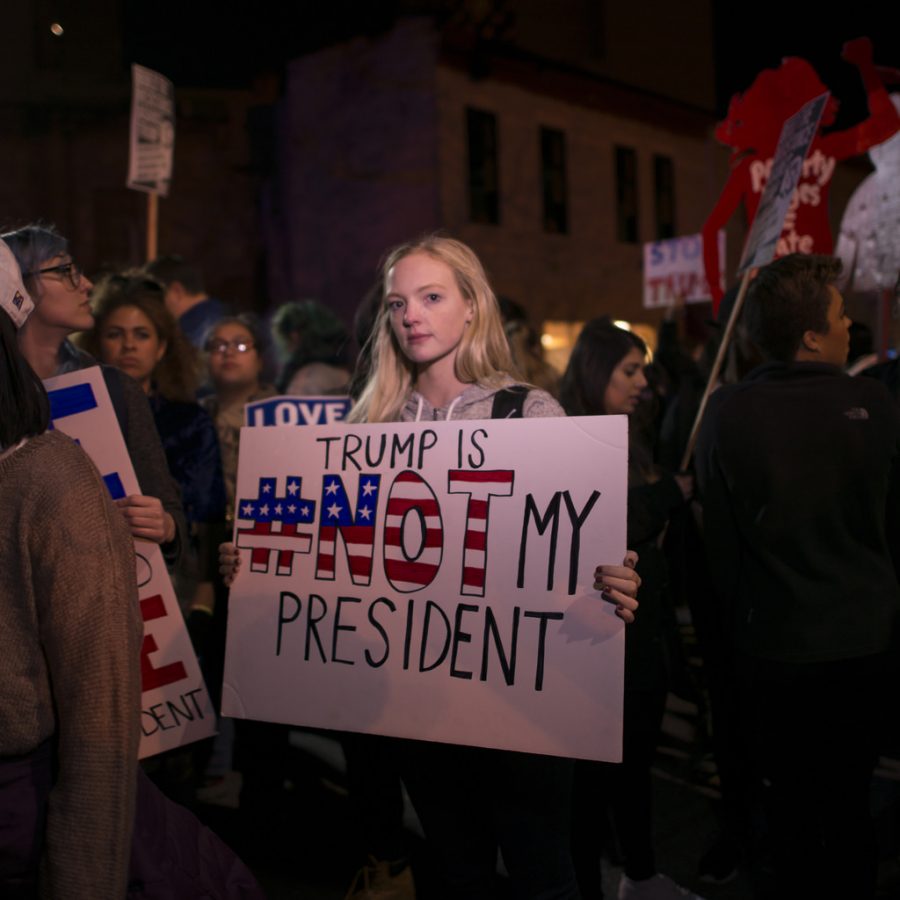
(175, 706)
(284, 410)
(432, 581)
(152, 138)
(675, 267)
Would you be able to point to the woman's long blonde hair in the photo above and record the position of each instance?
(483, 354)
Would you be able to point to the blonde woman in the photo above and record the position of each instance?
(439, 352)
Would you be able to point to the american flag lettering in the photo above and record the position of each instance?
(411, 571)
(276, 523)
(357, 530)
(480, 485)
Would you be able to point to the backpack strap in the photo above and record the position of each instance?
(509, 402)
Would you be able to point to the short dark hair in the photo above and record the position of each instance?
(786, 299)
(166, 269)
(24, 408)
(600, 347)
(308, 332)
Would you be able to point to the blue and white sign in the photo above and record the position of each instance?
(175, 705)
(297, 411)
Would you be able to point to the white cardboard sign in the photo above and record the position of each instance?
(432, 581)
(674, 267)
(175, 706)
(152, 136)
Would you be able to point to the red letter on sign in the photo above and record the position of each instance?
(480, 485)
(408, 569)
(151, 677)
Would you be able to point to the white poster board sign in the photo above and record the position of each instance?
(787, 166)
(175, 706)
(152, 137)
(285, 410)
(432, 581)
(675, 267)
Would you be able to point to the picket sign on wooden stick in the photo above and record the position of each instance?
(796, 136)
(152, 226)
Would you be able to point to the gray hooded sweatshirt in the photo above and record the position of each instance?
(476, 402)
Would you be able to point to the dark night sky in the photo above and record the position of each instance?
(196, 44)
(747, 42)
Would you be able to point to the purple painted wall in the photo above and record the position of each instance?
(357, 164)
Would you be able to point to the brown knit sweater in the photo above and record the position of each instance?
(70, 634)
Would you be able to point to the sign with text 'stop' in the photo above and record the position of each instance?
(152, 140)
(674, 268)
(797, 134)
(432, 581)
(175, 706)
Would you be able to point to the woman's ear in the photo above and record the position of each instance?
(161, 350)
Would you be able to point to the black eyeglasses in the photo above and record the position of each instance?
(68, 270)
(222, 347)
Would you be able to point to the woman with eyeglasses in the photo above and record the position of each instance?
(61, 294)
(234, 353)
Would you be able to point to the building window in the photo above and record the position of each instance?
(553, 180)
(484, 173)
(626, 195)
(664, 187)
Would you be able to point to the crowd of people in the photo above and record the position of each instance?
(781, 539)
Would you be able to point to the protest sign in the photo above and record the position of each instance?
(175, 706)
(797, 134)
(285, 410)
(432, 581)
(674, 268)
(787, 166)
(152, 142)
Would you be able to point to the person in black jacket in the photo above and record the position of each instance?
(799, 467)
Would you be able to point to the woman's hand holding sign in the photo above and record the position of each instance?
(147, 518)
(619, 585)
(229, 562)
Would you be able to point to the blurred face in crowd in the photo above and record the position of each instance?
(62, 299)
(428, 313)
(234, 361)
(623, 393)
(130, 342)
(834, 345)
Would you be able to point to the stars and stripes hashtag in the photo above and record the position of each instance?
(276, 523)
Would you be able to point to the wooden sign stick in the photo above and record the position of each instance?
(717, 367)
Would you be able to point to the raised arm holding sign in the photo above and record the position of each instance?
(793, 144)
